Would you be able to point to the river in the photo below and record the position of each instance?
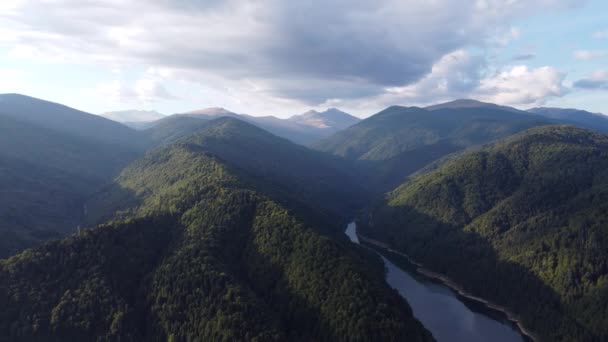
(448, 316)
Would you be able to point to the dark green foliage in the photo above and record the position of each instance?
(580, 118)
(316, 183)
(45, 177)
(522, 222)
(205, 257)
(400, 140)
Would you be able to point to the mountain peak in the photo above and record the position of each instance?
(331, 118)
(212, 111)
(469, 103)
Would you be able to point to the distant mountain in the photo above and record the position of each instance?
(400, 140)
(174, 127)
(580, 118)
(521, 222)
(214, 112)
(332, 119)
(48, 167)
(67, 120)
(302, 129)
(138, 119)
(212, 247)
(290, 171)
(468, 104)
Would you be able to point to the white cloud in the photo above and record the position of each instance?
(144, 91)
(307, 51)
(522, 86)
(590, 54)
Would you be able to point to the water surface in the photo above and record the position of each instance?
(448, 316)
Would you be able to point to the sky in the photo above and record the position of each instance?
(282, 57)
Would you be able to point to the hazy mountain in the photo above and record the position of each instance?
(46, 175)
(138, 119)
(521, 222)
(468, 104)
(289, 171)
(400, 140)
(210, 248)
(67, 120)
(332, 120)
(301, 129)
(581, 118)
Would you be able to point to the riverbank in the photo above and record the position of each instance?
(452, 285)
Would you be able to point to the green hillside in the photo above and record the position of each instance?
(398, 141)
(316, 183)
(203, 256)
(521, 222)
(45, 176)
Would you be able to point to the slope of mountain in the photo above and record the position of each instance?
(521, 222)
(331, 120)
(137, 119)
(468, 104)
(301, 129)
(287, 171)
(580, 118)
(173, 128)
(400, 140)
(203, 256)
(45, 176)
(67, 120)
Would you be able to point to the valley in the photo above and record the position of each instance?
(216, 228)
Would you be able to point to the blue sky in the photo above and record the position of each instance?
(271, 57)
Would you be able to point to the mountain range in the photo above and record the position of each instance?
(138, 119)
(303, 129)
(211, 225)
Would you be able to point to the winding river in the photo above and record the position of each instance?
(448, 316)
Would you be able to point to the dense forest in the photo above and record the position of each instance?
(46, 173)
(521, 222)
(215, 229)
(396, 142)
(314, 184)
(201, 256)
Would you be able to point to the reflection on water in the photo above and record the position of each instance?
(441, 310)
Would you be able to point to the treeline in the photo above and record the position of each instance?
(196, 253)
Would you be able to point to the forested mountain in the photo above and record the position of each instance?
(204, 255)
(67, 120)
(173, 128)
(580, 118)
(320, 182)
(521, 222)
(47, 173)
(302, 129)
(400, 140)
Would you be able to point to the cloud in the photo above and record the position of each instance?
(144, 91)
(522, 86)
(310, 51)
(590, 54)
(462, 75)
(597, 80)
(523, 57)
(600, 34)
(453, 76)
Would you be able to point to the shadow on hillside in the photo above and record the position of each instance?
(471, 261)
(384, 175)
